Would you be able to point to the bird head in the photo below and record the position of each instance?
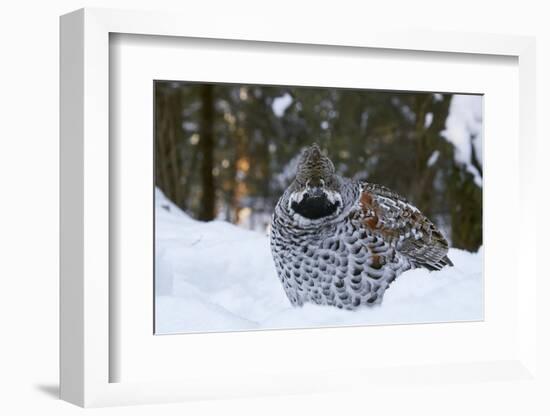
(315, 193)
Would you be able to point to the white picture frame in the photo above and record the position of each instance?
(87, 356)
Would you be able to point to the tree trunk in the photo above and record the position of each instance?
(208, 209)
(161, 133)
(175, 123)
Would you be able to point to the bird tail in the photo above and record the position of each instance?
(445, 261)
(433, 266)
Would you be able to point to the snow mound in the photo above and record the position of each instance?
(218, 277)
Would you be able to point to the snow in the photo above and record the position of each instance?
(218, 277)
(433, 158)
(428, 120)
(463, 128)
(280, 104)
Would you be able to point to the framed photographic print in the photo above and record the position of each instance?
(251, 215)
(257, 228)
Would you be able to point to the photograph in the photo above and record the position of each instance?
(293, 207)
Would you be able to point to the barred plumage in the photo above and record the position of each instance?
(341, 242)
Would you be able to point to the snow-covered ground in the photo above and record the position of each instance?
(218, 277)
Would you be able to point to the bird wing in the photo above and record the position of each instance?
(397, 220)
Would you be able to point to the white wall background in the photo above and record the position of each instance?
(29, 56)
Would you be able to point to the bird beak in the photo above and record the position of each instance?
(315, 192)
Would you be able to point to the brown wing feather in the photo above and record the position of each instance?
(405, 226)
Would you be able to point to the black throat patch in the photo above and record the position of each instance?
(316, 207)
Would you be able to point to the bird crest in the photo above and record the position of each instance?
(314, 168)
